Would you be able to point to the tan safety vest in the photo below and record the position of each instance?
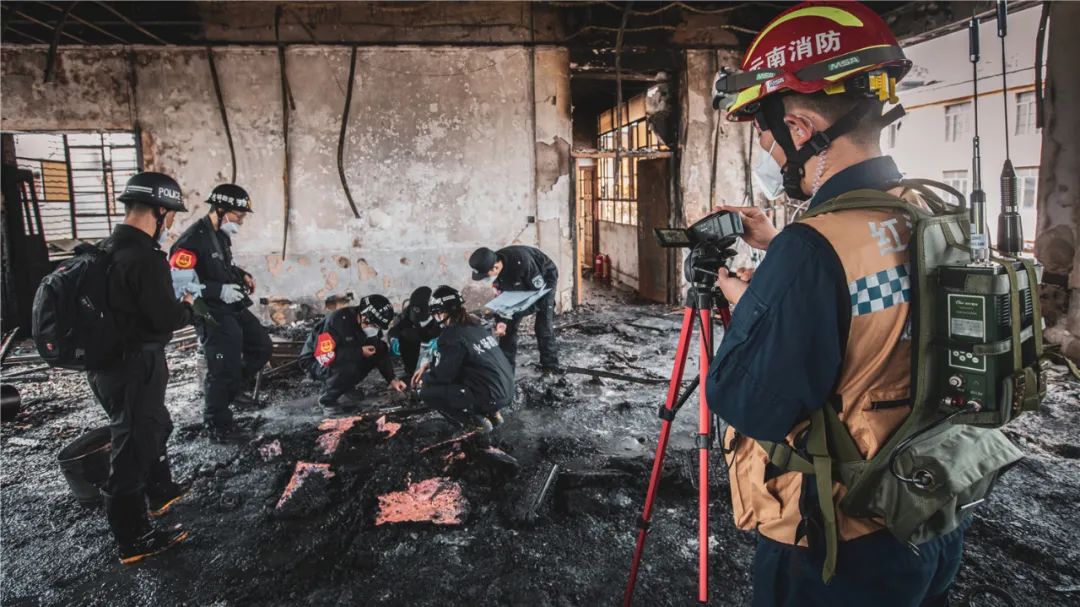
(873, 392)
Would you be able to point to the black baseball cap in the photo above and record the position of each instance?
(481, 261)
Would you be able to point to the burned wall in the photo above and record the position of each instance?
(447, 149)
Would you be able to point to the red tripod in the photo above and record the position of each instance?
(701, 300)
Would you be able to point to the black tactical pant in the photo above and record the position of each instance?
(409, 342)
(346, 372)
(455, 399)
(133, 395)
(544, 309)
(235, 351)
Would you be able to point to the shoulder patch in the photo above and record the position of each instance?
(325, 349)
(183, 259)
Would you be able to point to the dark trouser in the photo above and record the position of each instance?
(544, 309)
(235, 351)
(409, 345)
(455, 400)
(872, 570)
(345, 373)
(133, 395)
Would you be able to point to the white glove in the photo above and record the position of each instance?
(181, 280)
(231, 293)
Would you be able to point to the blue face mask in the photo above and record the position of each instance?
(230, 228)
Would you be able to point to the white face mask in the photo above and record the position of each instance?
(163, 235)
(488, 280)
(371, 331)
(768, 176)
(230, 228)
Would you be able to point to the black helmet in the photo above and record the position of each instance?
(482, 260)
(377, 309)
(153, 190)
(446, 299)
(230, 197)
(418, 310)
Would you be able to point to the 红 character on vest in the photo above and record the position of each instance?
(522, 268)
(345, 347)
(471, 379)
(412, 329)
(237, 346)
(823, 321)
(146, 312)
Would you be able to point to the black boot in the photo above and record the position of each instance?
(162, 497)
(246, 401)
(135, 536)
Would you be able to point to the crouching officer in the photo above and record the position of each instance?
(471, 378)
(413, 328)
(819, 120)
(522, 268)
(236, 346)
(146, 312)
(344, 348)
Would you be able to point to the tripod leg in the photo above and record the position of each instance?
(704, 443)
(658, 462)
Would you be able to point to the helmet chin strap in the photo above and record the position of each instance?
(159, 221)
(772, 109)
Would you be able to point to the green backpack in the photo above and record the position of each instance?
(945, 457)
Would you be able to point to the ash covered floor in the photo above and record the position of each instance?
(325, 544)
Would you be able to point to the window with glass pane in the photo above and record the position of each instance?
(1027, 186)
(618, 197)
(1025, 113)
(77, 177)
(956, 121)
(958, 180)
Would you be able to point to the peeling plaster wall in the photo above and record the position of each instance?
(1057, 244)
(553, 134)
(444, 152)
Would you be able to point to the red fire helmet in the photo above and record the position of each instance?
(815, 46)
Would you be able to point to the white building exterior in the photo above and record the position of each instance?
(934, 140)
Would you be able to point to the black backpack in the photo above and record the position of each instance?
(72, 323)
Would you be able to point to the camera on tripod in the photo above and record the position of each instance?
(710, 240)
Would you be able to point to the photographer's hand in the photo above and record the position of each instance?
(730, 285)
(758, 229)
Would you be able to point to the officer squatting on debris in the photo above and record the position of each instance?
(870, 397)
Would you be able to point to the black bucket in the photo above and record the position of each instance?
(10, 402)
(85, 464)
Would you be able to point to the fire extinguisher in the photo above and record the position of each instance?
(598, 267)
(607, 268)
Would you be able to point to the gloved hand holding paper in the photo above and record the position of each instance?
(513, 302)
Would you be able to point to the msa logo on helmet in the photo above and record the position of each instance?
(847, 62)
(169, 193)
(183, 259)
(325, 349)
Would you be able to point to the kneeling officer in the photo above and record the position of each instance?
(345, 347)
(471, 378)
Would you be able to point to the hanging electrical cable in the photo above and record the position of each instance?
(341, 136)
(286, 105)
(221, 108)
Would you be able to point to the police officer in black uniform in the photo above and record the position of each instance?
(344, 348)
(236, 346)
(146, 313)
(471, 379)
(522, 268)
(412, 328)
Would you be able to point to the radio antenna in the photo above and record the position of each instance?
(980, 249)
(1010, 232)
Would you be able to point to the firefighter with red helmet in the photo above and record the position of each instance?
(824, 325)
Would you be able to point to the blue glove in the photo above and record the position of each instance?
(186, 281)
(395, 346)
(231, 293)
